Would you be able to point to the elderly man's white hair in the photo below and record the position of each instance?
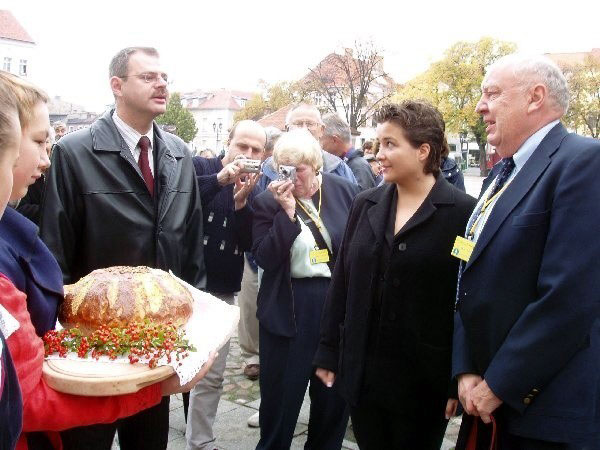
(336, 126)
(302, 105)
(531, 69)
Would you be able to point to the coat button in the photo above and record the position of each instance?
(402, 246)
(527, 400)
(396, 282)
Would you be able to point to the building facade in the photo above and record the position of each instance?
(213, 113)
(78, 120)
(17, 48)
(338, 76)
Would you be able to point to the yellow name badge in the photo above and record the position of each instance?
(319, 256)
(462, 248)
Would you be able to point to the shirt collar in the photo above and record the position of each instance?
(130, 135)
(348, 154)
(528, 147)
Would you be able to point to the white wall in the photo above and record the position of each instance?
(17, 50)
(206, 136)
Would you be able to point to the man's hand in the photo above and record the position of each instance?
(326, 376)
(283, 193)
(466, 383)
(230, 173)
(484, 400)
(242, 189)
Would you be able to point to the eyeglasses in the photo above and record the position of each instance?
(150, 77)
(304, 123)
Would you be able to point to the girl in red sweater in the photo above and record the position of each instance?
(22, 158)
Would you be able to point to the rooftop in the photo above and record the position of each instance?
(567, 59)
(219, 99)
(11, 29)
(57, 106)
(276, 119)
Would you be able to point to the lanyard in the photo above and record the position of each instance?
(316, 220)
(484, 207)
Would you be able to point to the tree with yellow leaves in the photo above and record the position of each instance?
(453, 85)
(584, 106)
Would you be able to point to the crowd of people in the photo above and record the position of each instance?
(366, 275)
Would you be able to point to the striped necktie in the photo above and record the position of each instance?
(508, 164)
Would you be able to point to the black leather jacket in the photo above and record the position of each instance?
(97, 211)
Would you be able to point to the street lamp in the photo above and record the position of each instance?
(217, 127)
(463, 138)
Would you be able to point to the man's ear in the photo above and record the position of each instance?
(537, 97)
(116, 86)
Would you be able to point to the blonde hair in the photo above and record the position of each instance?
(27, 94)
(9, 111)
(298, 147)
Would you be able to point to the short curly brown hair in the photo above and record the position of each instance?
(421, 123)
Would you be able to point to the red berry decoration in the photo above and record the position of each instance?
(138, 340)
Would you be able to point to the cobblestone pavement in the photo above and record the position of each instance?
(241, 399)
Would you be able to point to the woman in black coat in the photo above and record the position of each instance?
(292, 219)
(386, 333)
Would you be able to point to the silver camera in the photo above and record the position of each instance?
(251, 166)
(287, 173)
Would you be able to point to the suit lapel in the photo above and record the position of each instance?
(518, 188)
(165, 171)
(441, 193)
(379, 213)
(488, 180)
(106, 138)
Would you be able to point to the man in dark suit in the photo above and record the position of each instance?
(124, 192)
(527, 334)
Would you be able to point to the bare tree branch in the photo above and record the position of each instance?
(354, 80)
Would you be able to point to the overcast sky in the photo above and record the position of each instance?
(214, 44)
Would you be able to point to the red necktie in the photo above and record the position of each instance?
(144, 144)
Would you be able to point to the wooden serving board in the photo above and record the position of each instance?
(91, 378)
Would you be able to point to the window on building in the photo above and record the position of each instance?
(204, 123)
(6, 65)
(23, 67)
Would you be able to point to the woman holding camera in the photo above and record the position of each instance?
(298, 227)
(386, 336)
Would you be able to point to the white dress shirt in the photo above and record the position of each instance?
(132, 138)
(520, 158)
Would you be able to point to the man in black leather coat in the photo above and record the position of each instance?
(124, 192)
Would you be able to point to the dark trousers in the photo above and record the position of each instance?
(286, 369)
(148, 430)
(186, 404)
(381, 426)
(504, 440)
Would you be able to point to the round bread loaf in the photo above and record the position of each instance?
(118, 295)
